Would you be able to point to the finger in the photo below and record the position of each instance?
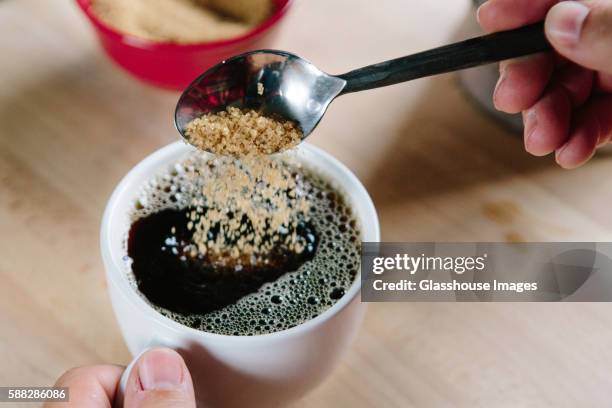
(522, 82)
(577, 82)
(547, 122)
(592, 128)
(159, 379)
(501, 15)
(89, 387)
(582, 32)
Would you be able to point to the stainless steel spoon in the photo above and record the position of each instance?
(281, 84)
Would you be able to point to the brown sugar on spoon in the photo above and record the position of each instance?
(238, 133)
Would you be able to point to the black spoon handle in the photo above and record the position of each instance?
(465, 54)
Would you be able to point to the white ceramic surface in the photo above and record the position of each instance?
(264, 370)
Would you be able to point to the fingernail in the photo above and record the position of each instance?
(566, 157)
(500, 83)
(565, 21)
(559, 154)
(530, 120)
(482, 9)
(479, 10)
(160, 369)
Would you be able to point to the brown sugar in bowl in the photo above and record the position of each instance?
(174, 65)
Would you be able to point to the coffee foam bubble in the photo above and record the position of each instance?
(295, 297)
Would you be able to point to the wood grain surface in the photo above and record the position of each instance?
(72, 124)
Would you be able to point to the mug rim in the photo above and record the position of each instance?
(114, 263)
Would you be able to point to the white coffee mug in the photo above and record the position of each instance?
(262, 370)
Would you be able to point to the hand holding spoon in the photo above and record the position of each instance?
(280, 84)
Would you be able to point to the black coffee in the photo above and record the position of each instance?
(286, 290)
(172, 278)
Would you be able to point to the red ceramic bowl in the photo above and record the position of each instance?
(174, 66)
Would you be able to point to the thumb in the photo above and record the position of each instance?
(582, 32)
(159, 379)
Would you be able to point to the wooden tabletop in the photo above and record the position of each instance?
(72, 124)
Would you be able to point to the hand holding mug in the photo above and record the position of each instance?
(159, 378)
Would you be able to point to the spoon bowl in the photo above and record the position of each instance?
(274, 83)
